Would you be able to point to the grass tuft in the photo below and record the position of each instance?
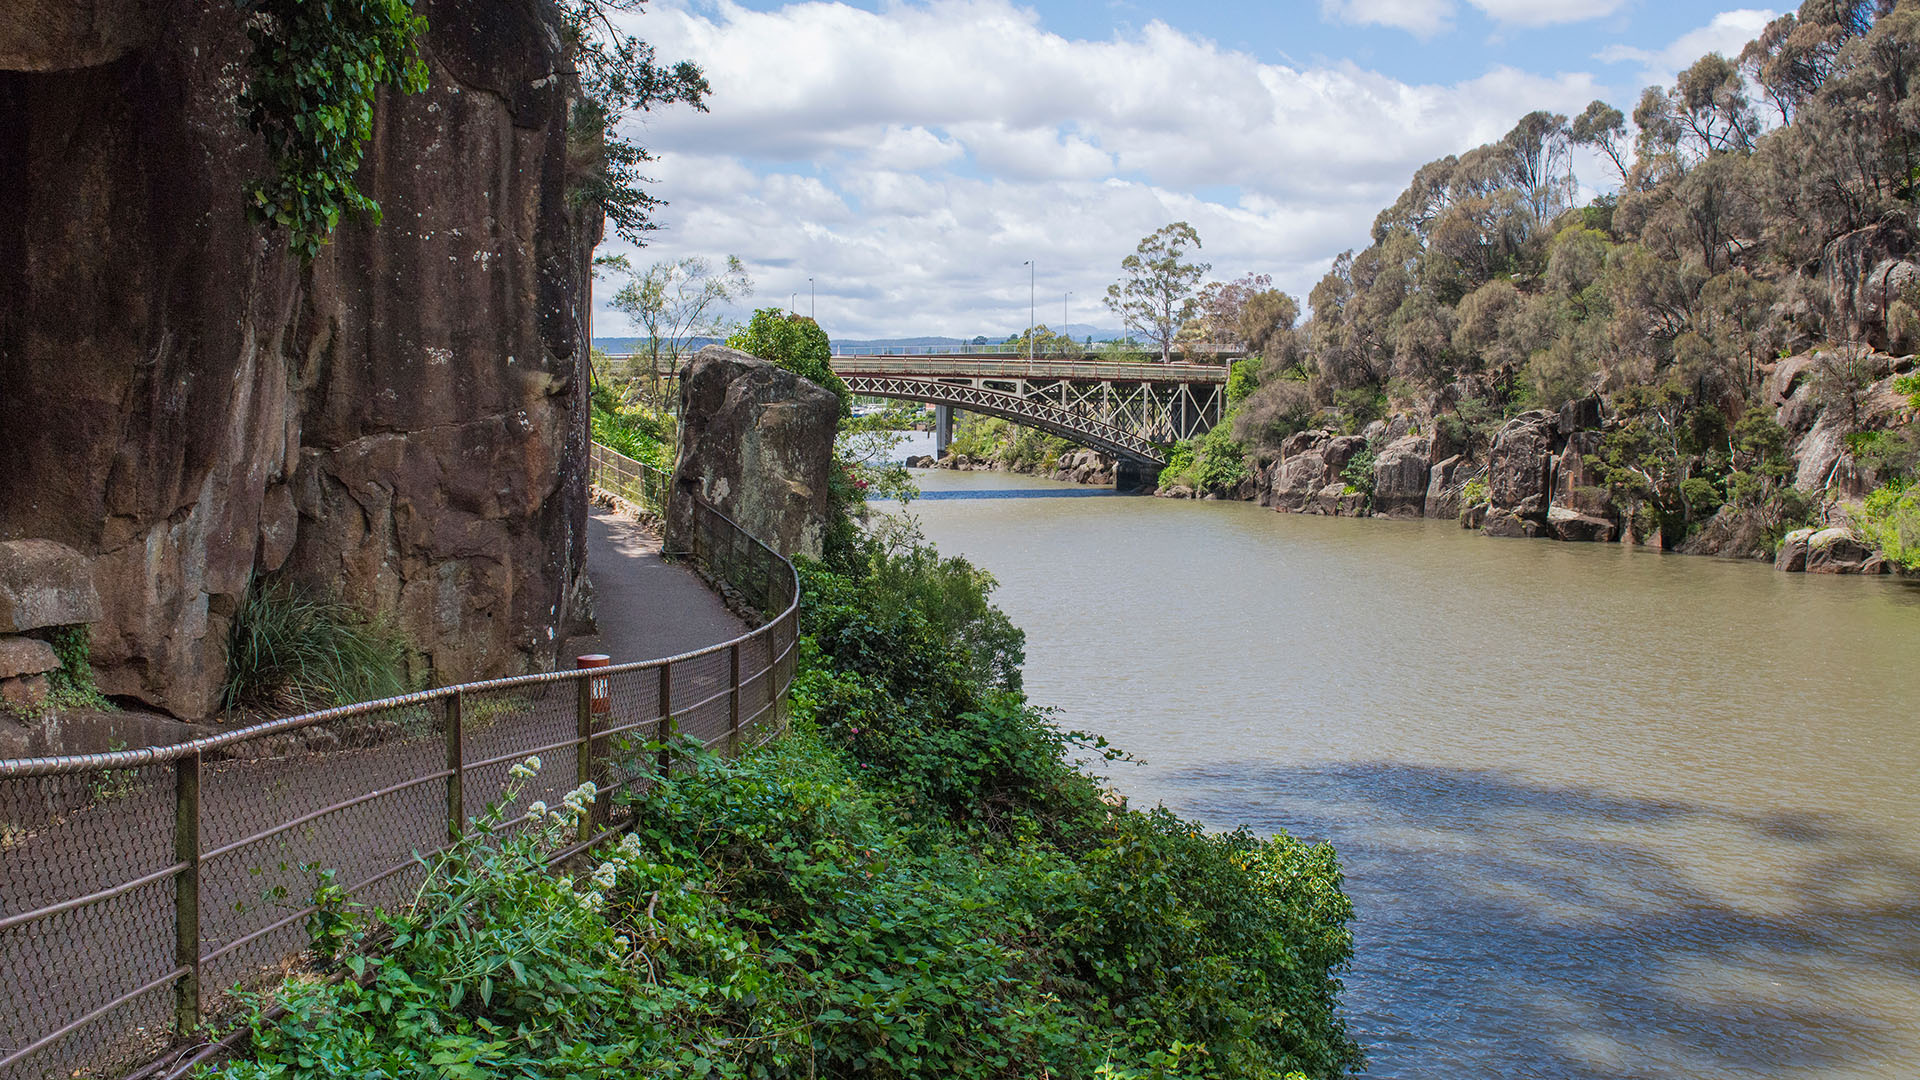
(293, 651)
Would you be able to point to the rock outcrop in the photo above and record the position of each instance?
(400, 423)
(1400, 477)
(1520, 465)
(756, 444)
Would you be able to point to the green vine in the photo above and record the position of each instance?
(315, 67)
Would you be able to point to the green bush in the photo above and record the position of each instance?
(1221, 462)
(1890, 521)
(795, 343)
(291, 650)
(916, 881)
(639, 433)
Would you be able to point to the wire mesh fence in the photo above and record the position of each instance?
(139, 889)
(635, 481)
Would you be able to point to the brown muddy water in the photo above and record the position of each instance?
(1604, 813)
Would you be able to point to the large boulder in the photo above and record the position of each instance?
(1520, 465)
(1839, 551)
(1400, 475)
(400, 423)
(1446, 483)
(1564, 524)
(756, 444)
(44, 584)
(1576, 480)
(1295, 481)
(1792, 554)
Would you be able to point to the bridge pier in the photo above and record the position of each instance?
(942, 430)
(1135, 477)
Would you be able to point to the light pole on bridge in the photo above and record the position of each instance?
(1031, 271)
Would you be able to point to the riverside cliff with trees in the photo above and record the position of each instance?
(1713, 357)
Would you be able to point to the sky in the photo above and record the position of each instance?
(893, 166)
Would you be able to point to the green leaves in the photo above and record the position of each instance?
(314, 68)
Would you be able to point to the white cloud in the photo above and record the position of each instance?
(1422, 17)
(910, 159)
(1426, 18)
(1727, 34)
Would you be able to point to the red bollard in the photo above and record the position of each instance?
(600, 689)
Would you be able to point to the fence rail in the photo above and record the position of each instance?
(138, 887)
(637, 482)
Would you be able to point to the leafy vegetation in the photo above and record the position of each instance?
(916, 881)
(796, 343)
(633, 428)
(291, 650)
(314, 67)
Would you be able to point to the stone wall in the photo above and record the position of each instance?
(401, 423)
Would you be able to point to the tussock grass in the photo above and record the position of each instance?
(292, 651)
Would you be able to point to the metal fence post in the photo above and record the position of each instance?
(733, 702)
(583, 750)
(456, 771)
(665, 734)
(186, 892)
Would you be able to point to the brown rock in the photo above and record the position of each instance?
(1837, 551)
(1337, 452)
(1504, 523)
(26, 656)
(1296, 480)
(1567, 525)
(1400, 478)
(1302, 441)
(44, 584)
(1576, 483)
(25, 694)
(400, 424)
(1520, 466)
(756, 443)
(1447, 480)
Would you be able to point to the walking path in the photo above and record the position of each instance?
(645, 607)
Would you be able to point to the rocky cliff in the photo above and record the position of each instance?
(399, 423)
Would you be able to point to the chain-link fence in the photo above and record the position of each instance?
(635, 481)
(139, 888)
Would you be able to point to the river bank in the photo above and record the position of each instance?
(1553, 475)
(1603, 812)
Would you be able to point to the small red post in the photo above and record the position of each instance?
(601, 688)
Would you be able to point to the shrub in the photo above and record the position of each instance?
(1890, 521)
(796, 343)
(291, 650)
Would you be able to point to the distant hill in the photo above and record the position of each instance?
(1079, 331)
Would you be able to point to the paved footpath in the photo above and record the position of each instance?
(646, 607)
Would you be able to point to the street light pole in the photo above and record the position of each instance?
(1063, 311)
(1031, 271)
(810, 310)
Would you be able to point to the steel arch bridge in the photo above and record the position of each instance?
(1125, 410)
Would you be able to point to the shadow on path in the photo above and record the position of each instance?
(1512, 929)
(645, 607)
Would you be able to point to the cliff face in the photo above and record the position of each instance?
(400, 423)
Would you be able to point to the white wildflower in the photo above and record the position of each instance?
(525, 769)
(536, 810)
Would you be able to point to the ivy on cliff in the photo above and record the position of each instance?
(316, 66)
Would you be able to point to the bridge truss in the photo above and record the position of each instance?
(1126, 410)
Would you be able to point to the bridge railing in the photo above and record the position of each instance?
(1005, 349)
(138, 888)
(1085, 370)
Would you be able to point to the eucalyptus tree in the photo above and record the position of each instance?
(1157, 293)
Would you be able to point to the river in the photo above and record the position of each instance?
(1604, 813)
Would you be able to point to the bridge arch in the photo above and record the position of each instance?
(1048, 417)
